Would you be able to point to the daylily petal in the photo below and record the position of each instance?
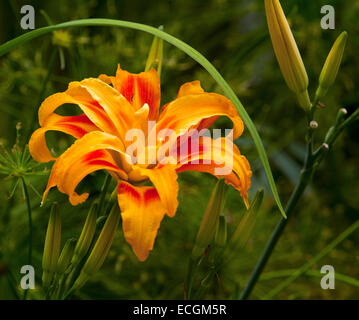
(86, 155)
(164, 178)
(76, 95)
(217, 154)
(139, 89)
(103, 105)
(190, 88)
(189, 110)
(77, 126)
(91, 162)
(115, 105)
(142, 212)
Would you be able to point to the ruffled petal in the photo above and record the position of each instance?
(102, 104)
(77, 126)
(221, 158)
(193, 106)
(86, 155)
(190, 88)
(142, 212)
(117, 108)
(164, 178)
(79, 96)
(139, 89)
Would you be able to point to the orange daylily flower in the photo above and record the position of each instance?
(111, 107)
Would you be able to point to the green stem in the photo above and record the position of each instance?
(305, 178)
(61, 288)
(312, 161)
(27, 197)
(191, 271)
(104, 189)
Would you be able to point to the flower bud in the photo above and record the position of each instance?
(209, 221)
(87, 234)
(65, 256)
(331, 66)
(341, 116)
(287, 53)
(52, 246)
(220, 240)
(100, 249)
(220, 237)
(243, 231)
(154, 59)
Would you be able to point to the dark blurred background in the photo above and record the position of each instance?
(233, 35)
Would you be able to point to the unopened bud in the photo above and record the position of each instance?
(209, 221)
(331, 66)
(220, 237)
(220, 240)
(65, 256)
(85, 240)
(341, 116)
(243, 231)
(100, 249)
(287, 53)
(154, 59)
(325, 146)
(52, 246)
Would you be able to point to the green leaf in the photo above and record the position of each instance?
(6, 47)
(155, 55)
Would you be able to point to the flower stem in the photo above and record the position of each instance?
(27, 197)
(104, 190)
(312, 161)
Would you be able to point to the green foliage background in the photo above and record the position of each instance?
(233, 36)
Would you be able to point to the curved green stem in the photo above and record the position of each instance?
(6, 47)
(28, 205)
